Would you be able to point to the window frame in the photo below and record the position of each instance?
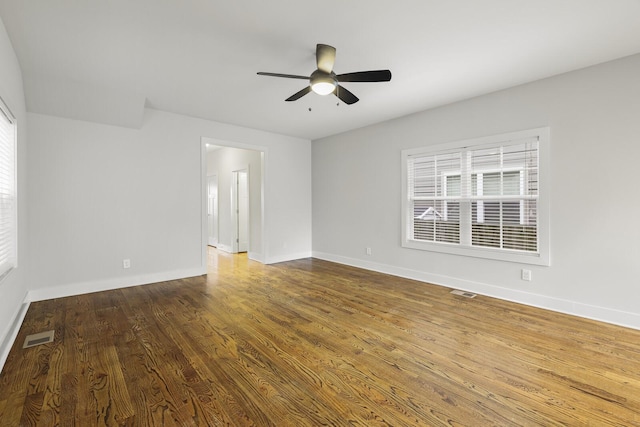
(12, 193)
(542, 256)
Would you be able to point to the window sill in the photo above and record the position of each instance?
(480, 252)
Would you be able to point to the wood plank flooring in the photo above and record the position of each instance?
(312, 343)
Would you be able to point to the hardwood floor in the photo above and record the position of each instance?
(312, 343)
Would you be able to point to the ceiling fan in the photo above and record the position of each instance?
(324, 81)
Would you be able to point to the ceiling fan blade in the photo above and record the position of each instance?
(325, 57)
(299, 94)
(366, 76)
(288, 76)
(346, 96)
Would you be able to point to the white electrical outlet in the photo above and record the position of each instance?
(368, 251)
(526, 275)
(126, 263)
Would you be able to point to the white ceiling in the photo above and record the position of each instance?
(105, 60)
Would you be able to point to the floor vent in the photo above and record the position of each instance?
(37, 339)
(463, 293)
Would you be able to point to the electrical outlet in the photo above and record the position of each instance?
(368, 251)
(126, 263)
(526, 275)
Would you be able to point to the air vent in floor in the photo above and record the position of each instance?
(37, 339)
(463, 293)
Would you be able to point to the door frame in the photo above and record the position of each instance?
(262, 255)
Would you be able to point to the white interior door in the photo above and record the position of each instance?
(212, 210)
(243, 212)
(240, 210)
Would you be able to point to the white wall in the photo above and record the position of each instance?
(595, 146)
(99, 194)
(222, 162)
(13, 288)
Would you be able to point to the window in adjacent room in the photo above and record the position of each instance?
(8, 199)
(482, 198)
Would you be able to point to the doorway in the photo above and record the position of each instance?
(234, 198)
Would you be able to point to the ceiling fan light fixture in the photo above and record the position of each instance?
(322, 83)
(323, 87)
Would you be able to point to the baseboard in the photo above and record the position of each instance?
(109, 284)
(224, 247)
(602, 314)
(12, 332)
(255, 256)
(268, 260)
(287, 257)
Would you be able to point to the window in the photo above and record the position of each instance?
(481, 197)
(8, 199)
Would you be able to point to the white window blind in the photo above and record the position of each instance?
(8, 199)
(504, 196)
(434, 192)
(480, 195)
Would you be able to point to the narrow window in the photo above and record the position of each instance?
(8, 199)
